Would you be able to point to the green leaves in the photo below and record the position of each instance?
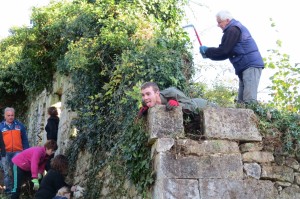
(281, 125)
(285, 81)
(109, 48)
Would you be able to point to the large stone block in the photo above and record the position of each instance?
(230, 123)
(169, 165)
(280, 173)
(258, 156)
(165, 124)
(251, 146)
(290, 193)
(206, 147)
(175, 189)
(162, 145)
(292, 162)
(237, 189)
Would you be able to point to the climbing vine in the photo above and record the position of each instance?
(108, 48)
(131, 48)
(285, 78)
(280, 129)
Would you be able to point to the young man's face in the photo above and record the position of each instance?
(9, 117)
(150, 97)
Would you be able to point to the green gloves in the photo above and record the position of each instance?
(36, 184)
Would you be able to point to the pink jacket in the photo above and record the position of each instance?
(32, 159)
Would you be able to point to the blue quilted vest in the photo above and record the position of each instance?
(245, 53)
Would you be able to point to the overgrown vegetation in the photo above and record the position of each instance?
(110, 48)
(280, 129)
(285, 80)
(279, 119)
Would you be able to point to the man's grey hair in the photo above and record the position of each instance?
(223, 15)
(9, 109)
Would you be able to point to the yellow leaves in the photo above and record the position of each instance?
(10, 55)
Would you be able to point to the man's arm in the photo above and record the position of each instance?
(229, 40)
(173, 93)
(2, 145)
(24, 137)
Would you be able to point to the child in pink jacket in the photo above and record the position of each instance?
(31, 162)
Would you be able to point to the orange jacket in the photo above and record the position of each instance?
(12, 140)
(14, 136)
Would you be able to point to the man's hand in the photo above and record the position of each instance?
(36, 184)
(203, 50)
(171, 104)
(143, 111)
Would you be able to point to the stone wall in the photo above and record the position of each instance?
(230, 162)
(37, 120)
(37, 114)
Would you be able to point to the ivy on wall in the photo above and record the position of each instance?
(133, 46)
(109, 48)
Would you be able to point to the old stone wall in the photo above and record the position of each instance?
(37, 120)
(37, 114)
(230, 162)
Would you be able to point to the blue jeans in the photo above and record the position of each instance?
(8, 170)
(248, 85)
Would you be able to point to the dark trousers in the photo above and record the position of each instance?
(48, 163)
(19, 176)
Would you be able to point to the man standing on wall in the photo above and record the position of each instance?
(239, 46)
(15, 140)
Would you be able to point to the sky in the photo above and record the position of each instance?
(253, 14)
(16, 13)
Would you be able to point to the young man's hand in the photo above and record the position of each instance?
(143, 111)
(171, 104)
